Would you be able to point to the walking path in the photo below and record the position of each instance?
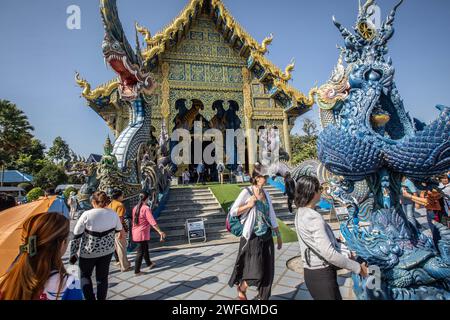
(202, 273)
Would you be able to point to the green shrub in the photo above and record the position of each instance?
(34, 194)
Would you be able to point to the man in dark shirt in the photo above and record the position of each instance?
(289, 187)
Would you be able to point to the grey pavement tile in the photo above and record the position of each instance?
(213, 287)
(198, 282)
(166, 275)
(219, 297)
(180, 277)
(289, 282)
(180, 292)
(124, 275)
(229, 292)
(116, 297)
(133, 292)
(199, 295)
(303, 295)
(293, 274)
(119, 287)
(219, 267)
(150, 295)
(192, 271)
(150, 283)
(283, 291)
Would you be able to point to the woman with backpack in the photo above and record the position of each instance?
(255, 263)
(321, 252)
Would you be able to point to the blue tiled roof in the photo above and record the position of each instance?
(15, 176)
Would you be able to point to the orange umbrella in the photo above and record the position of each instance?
(11, 222)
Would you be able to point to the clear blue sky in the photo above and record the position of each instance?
(39, 55)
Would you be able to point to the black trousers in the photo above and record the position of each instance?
(322, 284)
(290, 200)
(101, 266)
(142, 253)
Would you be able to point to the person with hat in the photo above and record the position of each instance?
(255, 262)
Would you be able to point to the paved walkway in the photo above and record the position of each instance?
(202, 273)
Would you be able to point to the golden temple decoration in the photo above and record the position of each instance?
(165, 90)
(296, 95)
(101, 91)
(248, 109)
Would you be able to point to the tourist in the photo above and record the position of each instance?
(289, 190)
(444, 186)
(73, 204)
(121, 238)
(320, 250)
(255, 263)
(38, 272)
(58, 205)
(409, 190)
(201, 172)
(143, 221)
(220, 170)
(94, 236)
(186, 177)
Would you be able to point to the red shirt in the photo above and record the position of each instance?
(141, 231)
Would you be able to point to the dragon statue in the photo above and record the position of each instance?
(120, 166)
(135, 81)
(368, 137)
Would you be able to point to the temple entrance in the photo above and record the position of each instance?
(224, 117)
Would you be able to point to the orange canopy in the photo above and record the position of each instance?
(11, 222)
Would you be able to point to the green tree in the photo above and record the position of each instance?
(31, 159)
(15, 132)
(59, 152)
(304, 147)
(50, 176)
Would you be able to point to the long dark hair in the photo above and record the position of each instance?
(143, 196)
(306, 188)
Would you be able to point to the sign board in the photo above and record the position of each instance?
(342, 214)
(174, 181)
(195, 229)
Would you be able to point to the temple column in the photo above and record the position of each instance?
(287, 136)
(248, 112)
(165, 91)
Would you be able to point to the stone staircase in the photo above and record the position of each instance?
(280, 206)
(187, 203)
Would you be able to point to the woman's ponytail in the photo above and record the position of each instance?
(143, 196)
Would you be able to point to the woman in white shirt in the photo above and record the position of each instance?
(255, 263)
(94, 237)
(320, 250)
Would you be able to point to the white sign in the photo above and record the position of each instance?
(342, 214)
(195, 229)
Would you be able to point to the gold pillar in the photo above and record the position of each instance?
(248, 112)
(287, 136)
(165, 90)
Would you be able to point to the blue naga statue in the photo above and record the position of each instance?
(369, 138)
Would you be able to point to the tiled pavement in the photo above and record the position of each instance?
(202, 273)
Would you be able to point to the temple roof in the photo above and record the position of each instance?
(267, 73)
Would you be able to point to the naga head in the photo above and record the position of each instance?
(118, 54)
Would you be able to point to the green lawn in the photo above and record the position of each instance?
(227, 193)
